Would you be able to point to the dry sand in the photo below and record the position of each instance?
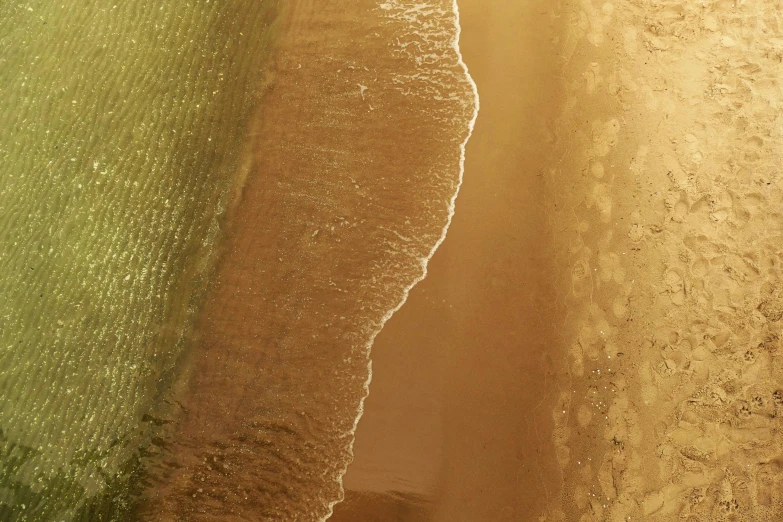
(620, 244)
(671, 197)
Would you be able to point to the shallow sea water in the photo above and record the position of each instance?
(121, 131)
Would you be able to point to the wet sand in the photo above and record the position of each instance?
(458, 422)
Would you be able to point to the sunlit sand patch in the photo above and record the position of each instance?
(681, 185)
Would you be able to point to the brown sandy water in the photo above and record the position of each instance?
(355, 161)
(121, 125)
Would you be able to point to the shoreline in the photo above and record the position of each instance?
(312, 264)
(424, 261)
(409, 462)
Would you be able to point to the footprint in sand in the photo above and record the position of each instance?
(692, 149)
(768, 482)
(726, 505)
(621, 304)
(584, 415)
(597, 169)
(631, 40)
(581, 276)
(637, 232)
(771, 307)
(699, 268)
(601, 198)
(676, 206)
(606, 477)
(605, 136)
(593, 77)
(676, 174)
(594, 337)
(610, 267)
(639, 161)
(675, 286)
(591, 342)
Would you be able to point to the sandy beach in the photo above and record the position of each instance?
(598, 338)
(268, 261)
(670, 231)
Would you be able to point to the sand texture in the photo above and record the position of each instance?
(666, 196)
(615, 262)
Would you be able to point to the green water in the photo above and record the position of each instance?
(121, 133)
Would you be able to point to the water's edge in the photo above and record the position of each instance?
(424, 261)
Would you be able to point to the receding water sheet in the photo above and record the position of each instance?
(356, 160)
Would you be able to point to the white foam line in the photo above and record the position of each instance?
(424, 261)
